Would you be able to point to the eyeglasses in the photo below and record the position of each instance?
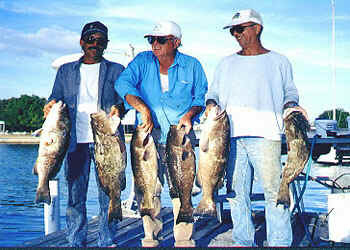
(239, 28)
(160, 39)
(99, 40)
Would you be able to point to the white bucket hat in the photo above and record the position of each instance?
(244, 16)
(166, 28)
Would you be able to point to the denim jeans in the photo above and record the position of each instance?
(77, 171)
(257, 155)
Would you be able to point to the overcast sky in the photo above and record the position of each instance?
(35, 32)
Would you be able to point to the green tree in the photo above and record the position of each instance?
(340, 115)
(23, 113)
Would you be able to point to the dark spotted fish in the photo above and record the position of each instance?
(110, 157)
(54, 141)
(214, 147)
(144, 163)
(296, 127)
(181, 165)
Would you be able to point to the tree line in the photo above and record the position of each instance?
(25, 114)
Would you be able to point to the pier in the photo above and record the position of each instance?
(208, 232)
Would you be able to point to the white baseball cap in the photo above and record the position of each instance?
(166, 28)
(244, 16)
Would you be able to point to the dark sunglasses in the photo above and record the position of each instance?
(99, 40)
(239, 28)
(160, 39)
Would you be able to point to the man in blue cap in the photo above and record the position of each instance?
(86, 86)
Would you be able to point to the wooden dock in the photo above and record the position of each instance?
(208, 232)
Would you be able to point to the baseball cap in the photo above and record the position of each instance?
(94, 27)
(165, 28)
(244, 16)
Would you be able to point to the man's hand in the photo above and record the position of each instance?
(48, 107)
(147, 123)
(114, 111)
(287, 111)
(185, 121)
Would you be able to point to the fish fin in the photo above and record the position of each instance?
(147, 211)
(37, 132)
(283, 196)
(43, 195)
(185, 155)
(34, 170)
(205, 208)
(183, 217)
(146, 155)
(204, 144)
(114, 211)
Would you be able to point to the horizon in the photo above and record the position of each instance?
(36, 34)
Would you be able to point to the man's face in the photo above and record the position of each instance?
(246, 34)
(163, 45)
(93, 46)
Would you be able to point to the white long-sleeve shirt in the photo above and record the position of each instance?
(253, 90)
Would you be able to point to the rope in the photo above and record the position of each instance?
(308, 168)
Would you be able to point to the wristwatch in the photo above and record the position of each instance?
(290, 105)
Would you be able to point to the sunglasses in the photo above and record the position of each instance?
(239, 28)
(160, 39)
(99, 40)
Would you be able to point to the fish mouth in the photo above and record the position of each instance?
(220, 115)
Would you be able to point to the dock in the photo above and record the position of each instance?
(208, 232)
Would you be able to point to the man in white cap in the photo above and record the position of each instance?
(255, 86)
(166, 87)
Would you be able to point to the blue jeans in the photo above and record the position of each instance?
(77, 171)
(251, 155)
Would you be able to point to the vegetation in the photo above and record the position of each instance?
(340, 115)
(23, 113)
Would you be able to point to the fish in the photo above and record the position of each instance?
(144, 164)
(111, 159)
(181, 164)
(214, 148)
(53, 145)
(296, 128)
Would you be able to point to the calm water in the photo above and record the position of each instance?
(21, 219)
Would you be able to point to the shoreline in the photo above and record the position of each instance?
(29, 139)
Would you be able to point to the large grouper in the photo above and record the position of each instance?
(144, 163)
(110, 157)
(296, 128)
(54, 142)
(181, 163)
(214, 148)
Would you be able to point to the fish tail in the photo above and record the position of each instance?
(147, 211)
(114, 211)
(184, 217)
(43, 195)
(283, 196)
(205, 208)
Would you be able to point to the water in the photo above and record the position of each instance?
(22, 220)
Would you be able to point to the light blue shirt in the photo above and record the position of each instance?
(187, 88)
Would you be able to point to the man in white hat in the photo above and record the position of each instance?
(255, 86)
(166, 87)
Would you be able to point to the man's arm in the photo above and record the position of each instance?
(140, 106)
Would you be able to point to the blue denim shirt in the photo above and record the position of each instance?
(187, 88)
(66, 88)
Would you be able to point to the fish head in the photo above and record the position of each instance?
(101, 124)
(176, 136)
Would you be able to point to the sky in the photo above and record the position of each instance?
(35, 33)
